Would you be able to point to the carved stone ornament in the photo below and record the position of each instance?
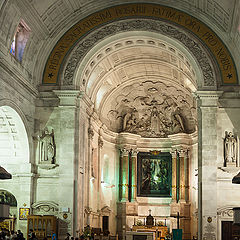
(105, 211)
(230, 150)
(194, 45)
(152, 109)
(100, 142)
(90, 133)
(88, 210)
(225, 212)
(47, 147)
(43, 207)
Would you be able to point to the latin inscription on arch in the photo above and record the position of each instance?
(67, 41)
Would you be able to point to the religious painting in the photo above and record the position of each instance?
(154, 174)
(23, 213)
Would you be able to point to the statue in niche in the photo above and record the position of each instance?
(230, 147)
(47, 147)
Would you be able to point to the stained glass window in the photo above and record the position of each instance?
(19, 40)
(13, 46)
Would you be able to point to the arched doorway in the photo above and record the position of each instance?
(14, 157)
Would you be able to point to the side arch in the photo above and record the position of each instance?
(14, 136)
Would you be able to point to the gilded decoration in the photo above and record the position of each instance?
(152, 110)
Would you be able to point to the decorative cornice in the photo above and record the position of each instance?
(67, 97)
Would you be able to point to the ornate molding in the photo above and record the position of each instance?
(45, 207)
(90, 133)
(193, 44)
(226, 212)
(105, 211)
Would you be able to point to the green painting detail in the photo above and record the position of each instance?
(154, 174)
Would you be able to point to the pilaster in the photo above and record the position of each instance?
(134, 175)
(124, 174)
(68, 115)
(207, 162)
(174, 176)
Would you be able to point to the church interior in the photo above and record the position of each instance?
(120, 119)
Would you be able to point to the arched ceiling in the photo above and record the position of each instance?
(55, 14)
(14, 147)
(134, 79)
(50, 19)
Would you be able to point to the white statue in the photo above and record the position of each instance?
(154, 120)
(47, 147)
(230, 145)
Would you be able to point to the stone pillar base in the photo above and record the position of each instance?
(126, 212)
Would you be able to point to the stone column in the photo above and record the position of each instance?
(174, 176)
(124, 167)
(186, 172)
(67, 153)
(134, 176)
(207, 163)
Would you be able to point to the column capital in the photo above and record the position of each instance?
(124, 151)
(67, 97)
(183, 152)
(208, 98)
(174, 153)
(134, 152)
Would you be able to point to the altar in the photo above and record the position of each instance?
(160, 232)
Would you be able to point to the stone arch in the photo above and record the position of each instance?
(205, 62)
(15, 145)
(150, 17)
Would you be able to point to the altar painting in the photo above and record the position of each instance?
(154, 174)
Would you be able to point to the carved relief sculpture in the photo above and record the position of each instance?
(230, 150)
(47, 147)
(148, 110)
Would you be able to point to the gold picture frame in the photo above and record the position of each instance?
(23, 213)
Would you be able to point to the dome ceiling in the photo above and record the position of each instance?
(142, 86)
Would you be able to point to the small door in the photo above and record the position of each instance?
(226, 230)
(230, 231)
(105, 224)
